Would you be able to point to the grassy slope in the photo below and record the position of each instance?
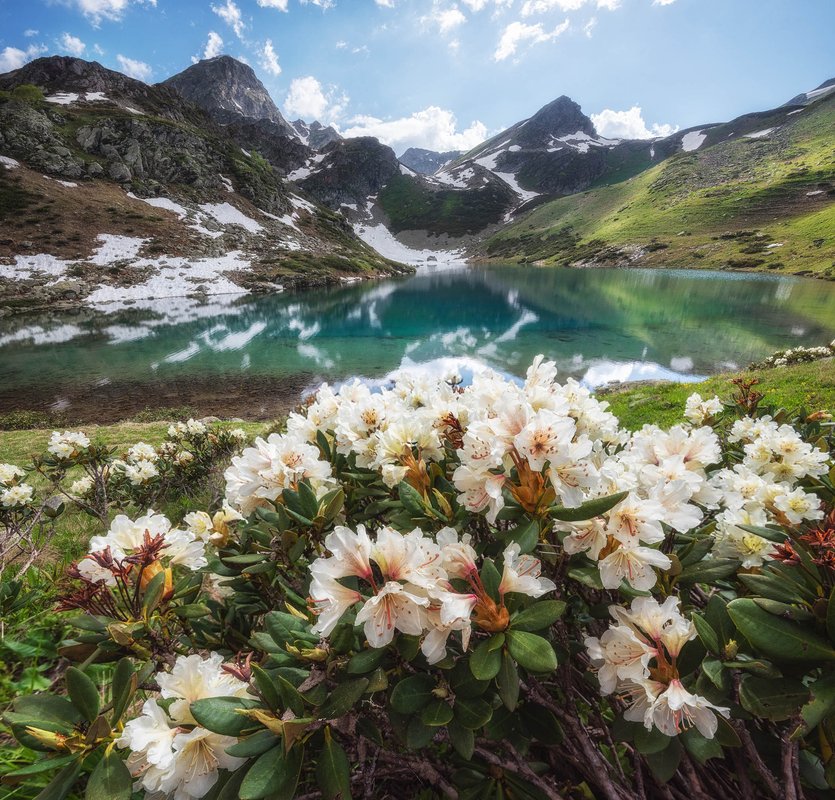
(810, 386)
(717, 207)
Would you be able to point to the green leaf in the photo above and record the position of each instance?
(153, 593)
(706, 633)
(472, 712)
(436, 712)
(39, 766)
(774, 699)
(366, 661)
(111, 780)
(542, 724)
(542, 614)
(254, 745)
(307, 497)
(419, 734)
(830, 616)
(124, 686)
(47, 708)
(62, 784)
(525, 535)
(332, 771)
(83, 693)
(778, 638)
(531, 651)
(508, 682)
(462, 739)
(714, 570)
(665, 763)
(411, 694)
(490, 578)
(220, 714)
(411, 499)
(485, 661)
(588, 510)
(343, 698)
(264, 775)
(822, 704)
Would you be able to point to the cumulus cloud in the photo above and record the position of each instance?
(663, 2)
(72, 44)
(269, 59)
(309, 100)
(433, 128)
(323, 4)
(30, 32)
(628, 125)
(445, 19)
(112, 10)
(385, 3)
(231, 15)
(135, 69)
(520, 33)
(530, 7)
(214, 46)
(281, 5)
(14, 58)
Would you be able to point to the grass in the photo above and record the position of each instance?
(810, 386)
(681, 211)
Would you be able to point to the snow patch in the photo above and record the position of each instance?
(9, 163)
(164, 203)
(760, 134)
(227, 214)
(227, 184)
(814, 193)
(692, 141)
(383, 241)
(62, 98)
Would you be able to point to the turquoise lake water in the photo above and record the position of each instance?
(598, 324)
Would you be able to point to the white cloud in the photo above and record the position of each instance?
(530, 7)
(446, 19)
(663, 2)
(323, 4)
(628, 125)
(214, 46)
(433, 128)
(518, 33)
(385, 3)
(113, 10)
(309, 100)
(269, 59)
(30, 32)
(231, 15)
(589, 27)
(135, 69)
(72, 44)
(14, 58)
(281, 5)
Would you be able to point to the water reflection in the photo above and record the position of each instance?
(599, 325)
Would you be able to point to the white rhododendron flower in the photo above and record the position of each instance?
(522, 574)
(82, 487)
(142, 452)
(171, 756)
(68, 444)
(141, 472)
(10, 474)
(16, 496)
(700, 411)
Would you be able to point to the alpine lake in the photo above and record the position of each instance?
(256, 355)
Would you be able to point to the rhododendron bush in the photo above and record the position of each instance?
(491, 591)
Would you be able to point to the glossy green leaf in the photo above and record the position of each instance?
(436, 712)
(588, 510)
(531, 651)
(508, 682)
(333, 773)
(541, 614)
(62, 784)
(412, 694)
(485, 661)
(83, 693)
(220, 714)
(774, 699)
(462, 739)
(343, 698)
(778, 638)
(111, 780)
(472, 712)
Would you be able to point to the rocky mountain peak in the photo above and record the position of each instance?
(561, 117)
(315, 134)
(227, 89)
(427, 162)
(64, 73)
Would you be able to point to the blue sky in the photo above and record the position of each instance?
(446, 73)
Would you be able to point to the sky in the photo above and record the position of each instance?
(446, 74)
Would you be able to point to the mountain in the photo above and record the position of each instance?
(227, 89)
(426, 162)
(804, 98)
(757, 192)
(112, 190)
(315, 134)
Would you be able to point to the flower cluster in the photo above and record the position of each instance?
(14, 491)
(702, 411)
(170, 754)
(149, 542)
(763, 488)
(796, 355)
(67, 445)
(637, 657)
(409, 577)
